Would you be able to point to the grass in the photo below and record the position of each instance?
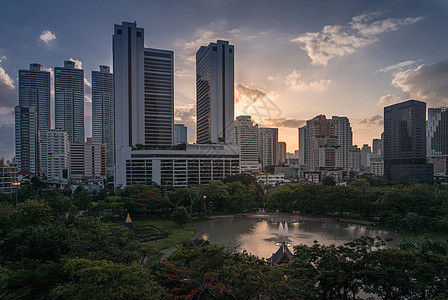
(177, 234)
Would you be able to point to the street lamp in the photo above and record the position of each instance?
(205, 203)
(16, 185)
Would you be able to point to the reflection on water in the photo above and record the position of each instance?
(259, 236)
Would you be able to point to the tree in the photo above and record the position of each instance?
(181, 216)
(328, 181)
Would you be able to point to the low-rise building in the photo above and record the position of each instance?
(271, 179)
(8, 178)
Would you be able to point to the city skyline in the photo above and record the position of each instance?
(297, 65)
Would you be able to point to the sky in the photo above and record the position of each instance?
(293, 59)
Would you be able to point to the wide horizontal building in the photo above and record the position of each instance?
(194, 164)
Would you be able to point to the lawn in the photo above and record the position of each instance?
(176, 233)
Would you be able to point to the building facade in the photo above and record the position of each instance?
(321, 144)
(302, 145)
(58, 156)
(27, 142)
(34, 91)
(354, 158)
(180, 134)
(405, 142)
(366, 153)
(103, 104)
(343, 131)
(88, 160)
(246, 136)
(215, 93)
(69, 101)
(267, 146)
(8, 178)
(281, 153)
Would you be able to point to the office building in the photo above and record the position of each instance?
(246, 136)
(366, 153)
(8, 178)
(144, 115)
(354, 158)
(103, 105)
(321, 144)
(302, 145)
(340, 127)
(267, 146)
(281, 153)
(180, 134)
(34, 91)
(377, 148)
(405, 142)
(58, 156)
(69, 101)
(377, 167)
(437, 139)
(88, 160)
(27, 139)
(215, 93)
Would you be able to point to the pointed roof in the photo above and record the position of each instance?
(283, 255)
(128, 219)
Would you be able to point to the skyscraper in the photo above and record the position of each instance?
(343, 131)
(103, 105)
(267, 146)
(180, 134)
(88, 160)
(321, 144)
(377, 147)
(215, 93)
(27, 139)
(437, 131)
(69, 101)
(34, 91)
(281, 153)
(246, 136)
(405, 142)
(159, 96)
(58, 154)
(366, 153)
(302, 145)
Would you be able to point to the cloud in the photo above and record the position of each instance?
(8, 95)
(246, 94)
(185, 114)
(398, 66)
(387, 100)
(87, 87)
(375, 120)
(284, 122)
(78, 63)
(426, 82)
(294, 81)
(47, 36)
(270, 78)
(342, 40)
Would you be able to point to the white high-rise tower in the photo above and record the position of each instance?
(215, 93)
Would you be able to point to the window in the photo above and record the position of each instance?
(119, 31)
(139, 34)
(230, 50)
(215, 49)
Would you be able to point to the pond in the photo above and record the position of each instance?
(258, 234)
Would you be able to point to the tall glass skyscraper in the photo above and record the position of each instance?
(215, 93)
(405, 142)
(103, 105)
(69, 101)
(34, 91)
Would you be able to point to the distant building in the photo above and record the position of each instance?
(302, 145)
(8, 178)
(180, 134)
(267, 146)
(281, 153)
(437, 139)
(58, 156)
(69, 101)
(354, 159)
(271, 179)
(321, 144)
(405, 142)
(377, 167)
(28, 155)
(88, 160)
(215, 93)
(366, 153)
(103, 105)
(377, 148)
(343, 131)
(34, 91)
(247, 137)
